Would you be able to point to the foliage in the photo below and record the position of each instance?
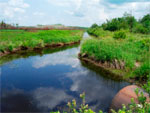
(145, 21)
(83, 107)
(143, 71)
(128, 22)
(119, 35)
(99, 32)
(139, 28)
(94, 26)
(147, 86)
(11, 39)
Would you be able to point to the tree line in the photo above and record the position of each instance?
(127, 22)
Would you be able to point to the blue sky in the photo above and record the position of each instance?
(69, 12)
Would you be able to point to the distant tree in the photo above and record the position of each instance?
(145, 21)
(94, 25)
(111, 25)
(17, 25)
(3, 25)
(130, 20)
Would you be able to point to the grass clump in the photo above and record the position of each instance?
(11, 39)
(119, 35)
(143, 72)
(99, 32)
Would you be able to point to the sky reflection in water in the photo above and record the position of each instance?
(48, 82)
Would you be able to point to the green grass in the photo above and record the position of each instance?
(133, 49)
(10, 39)
(99, 32)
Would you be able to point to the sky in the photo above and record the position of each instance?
(69, 12)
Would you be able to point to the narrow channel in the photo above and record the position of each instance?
(44, 81)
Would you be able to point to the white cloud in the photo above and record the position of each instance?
(38, 13)
(18, 3)
(10, 8)
(91, 11)
(66, 3)
(138, 9)
(99, 11)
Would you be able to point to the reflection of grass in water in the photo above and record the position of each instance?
(105, 73)
(26, 54)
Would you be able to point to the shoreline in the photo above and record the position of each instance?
(109, 70)
(22, 48)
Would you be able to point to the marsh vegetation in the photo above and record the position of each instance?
(15, 39)
(119, 43)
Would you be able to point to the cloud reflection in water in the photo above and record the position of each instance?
(49, 98)
(68, 57)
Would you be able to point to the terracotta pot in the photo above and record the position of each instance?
(124, 97)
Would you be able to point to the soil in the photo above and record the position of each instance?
(15, 50)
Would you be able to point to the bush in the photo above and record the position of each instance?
(119, 35)
(145, 21)
(99, 32)
(94, 26)
(140, 29)
(145, 43)
(143, 71)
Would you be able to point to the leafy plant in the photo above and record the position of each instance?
(119, 35)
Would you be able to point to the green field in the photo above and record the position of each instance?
(134, 49)
(11, 39)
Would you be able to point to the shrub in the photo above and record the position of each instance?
(145, 21)
(94, 26)
(119, 35)
(140, 29)
(143, 70)
(145, 43)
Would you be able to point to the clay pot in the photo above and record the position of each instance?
(124, 97)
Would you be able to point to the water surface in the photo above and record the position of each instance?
(44, 81)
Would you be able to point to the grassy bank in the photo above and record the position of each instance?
(12, 39)
(129, 57)
(29, 53)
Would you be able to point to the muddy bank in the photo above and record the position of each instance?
(100, 64)
(22, 48)
(115, 68)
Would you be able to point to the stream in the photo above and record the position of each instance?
(44, 81)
